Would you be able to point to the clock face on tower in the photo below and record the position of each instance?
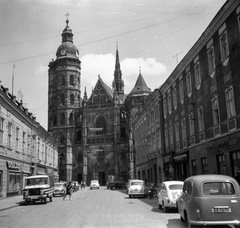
(63, 52)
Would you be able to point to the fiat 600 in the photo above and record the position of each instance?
(210, 200)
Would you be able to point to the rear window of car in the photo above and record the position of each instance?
(137, 183)
(218, 188)
(175, 187)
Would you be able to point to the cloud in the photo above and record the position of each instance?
(104, 64)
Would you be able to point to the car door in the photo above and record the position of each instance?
(184, 199)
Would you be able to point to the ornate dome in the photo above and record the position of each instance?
(67, 48)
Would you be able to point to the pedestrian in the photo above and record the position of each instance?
(81, 185)
(237, 177)
(68, 191)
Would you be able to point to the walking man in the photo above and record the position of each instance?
(68, 191)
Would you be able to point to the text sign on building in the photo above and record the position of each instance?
(13, 165)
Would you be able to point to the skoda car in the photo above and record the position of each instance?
(94, 184)
(168, 194)
(137, 188)
(210, 200)
(59, 189)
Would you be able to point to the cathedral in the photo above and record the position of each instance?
(93, 131)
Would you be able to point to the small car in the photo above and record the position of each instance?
(59, 189)
(94, 184)
(210, 200)
(137, 188)
(168, 194)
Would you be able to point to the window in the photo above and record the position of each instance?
(211, 57)
(177, 131)
(62, 119)
(223, 42)
(166, 138)
(204, 165)
(191, 124)
(62, 99)
(194, 167)
(184, 133)
(9, 134)
(215, 111)
(181, 91)
(1, 130)
(17, 139)
(221, 163)
(230, 103)
(165, 108)
(101, 123)
(175, 98)
(171, 134)
(72, 98)
(23, 142)
(218, 188)
(197, 73)
(72, 80)
(200, 119)
(189, 83)
(169, 104)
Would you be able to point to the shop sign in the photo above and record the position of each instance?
(13, 165)
(180, 157)
(167, 159)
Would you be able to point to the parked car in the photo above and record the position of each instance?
(75, 186)
(94, 184)
(116, 185)
(59, 189)
(38, 188)
(168, 194)
(137, 188)
(129, 183)
(210, 200)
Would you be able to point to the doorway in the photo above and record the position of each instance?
(102, 181)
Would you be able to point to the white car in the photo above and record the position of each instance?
(137, 188)
(94, 184)
(169, 192)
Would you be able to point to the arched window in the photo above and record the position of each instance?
(101, 123)
(71, 80)
(63, 81)
(72, 98)
(62, 119)
(62, 99)
(55, 120)
(71, 118)
(79, 135)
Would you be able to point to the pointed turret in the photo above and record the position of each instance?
(140, 87)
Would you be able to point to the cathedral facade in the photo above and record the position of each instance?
(92, 131)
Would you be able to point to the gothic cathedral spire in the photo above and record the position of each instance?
(118, 84)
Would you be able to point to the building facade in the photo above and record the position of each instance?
(201, 102)
(26, 148)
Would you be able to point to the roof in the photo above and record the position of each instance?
(210, 177)
(140, 87)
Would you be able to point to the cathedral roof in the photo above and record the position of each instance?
(140, 87)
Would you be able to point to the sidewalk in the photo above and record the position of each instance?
(10, 202)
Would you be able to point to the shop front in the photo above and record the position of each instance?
(181, 162)
(13, 178)
(168, 166)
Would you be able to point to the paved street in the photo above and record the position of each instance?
(91, 208)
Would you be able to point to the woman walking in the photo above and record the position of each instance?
(68, 191)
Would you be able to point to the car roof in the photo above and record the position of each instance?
(36, 176)
(210, 177)
(172, 182)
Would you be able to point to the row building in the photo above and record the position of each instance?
(191, 124)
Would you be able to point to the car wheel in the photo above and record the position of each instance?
(45, 200)
(51, 198)
(159, 206)
(181, 218)
(26, 202)
(130, 196)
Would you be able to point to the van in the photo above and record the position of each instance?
(38, 188)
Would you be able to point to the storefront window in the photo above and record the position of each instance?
(236, 162)
(14, 182)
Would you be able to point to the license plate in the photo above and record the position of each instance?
(221, 210)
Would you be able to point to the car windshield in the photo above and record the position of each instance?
(137, 183)
(175, 187)
(36, 181)
(218, 188)
(94, 181)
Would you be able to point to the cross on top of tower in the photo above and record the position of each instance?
(67, 21)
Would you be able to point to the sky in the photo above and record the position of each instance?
(152, 36)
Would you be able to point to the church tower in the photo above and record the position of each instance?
(64, 101)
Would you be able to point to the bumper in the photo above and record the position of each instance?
(136, 194)
(35, 197)
(207, 223)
